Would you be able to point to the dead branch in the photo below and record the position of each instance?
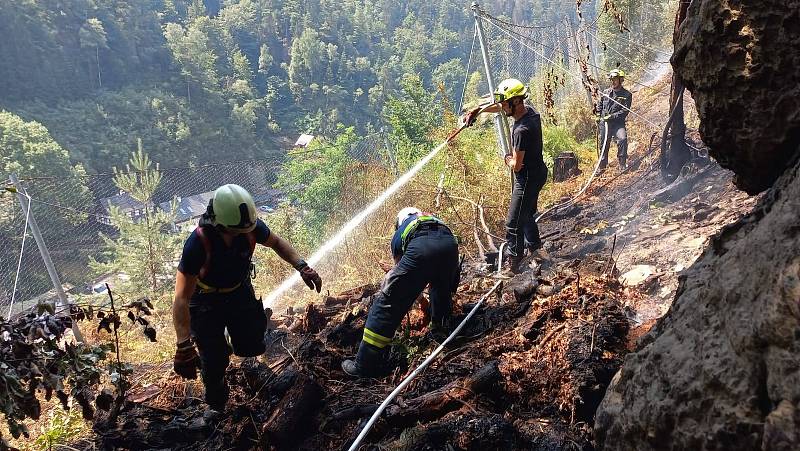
(450, 397)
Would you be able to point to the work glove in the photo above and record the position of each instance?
(472, 116)
(309, 276)
(186, 360)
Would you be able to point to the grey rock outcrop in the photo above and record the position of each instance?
(740, 60)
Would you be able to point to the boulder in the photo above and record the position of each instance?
(740, 61)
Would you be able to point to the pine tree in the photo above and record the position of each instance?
(144, 249)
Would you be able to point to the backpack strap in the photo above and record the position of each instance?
(207, 246)
(412, 227)
(251, 240)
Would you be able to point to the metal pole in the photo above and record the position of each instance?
(48, 262)
(389, 152)
(500, 121)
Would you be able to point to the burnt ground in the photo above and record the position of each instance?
(655, 229)
(527, 373)
(529, 370)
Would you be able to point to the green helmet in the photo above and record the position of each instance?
(510, 88)
(234, 208)
(616, 73)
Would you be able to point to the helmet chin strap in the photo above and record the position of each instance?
(514, 104)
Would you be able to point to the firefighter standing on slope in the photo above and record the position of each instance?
(213, 291)
(613, 108)
(425, 252)
(527, 162)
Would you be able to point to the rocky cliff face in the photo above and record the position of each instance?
(740, 59)
(722, 369)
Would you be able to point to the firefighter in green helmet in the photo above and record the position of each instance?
(213, 291)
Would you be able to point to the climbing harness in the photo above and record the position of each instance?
(203, 287)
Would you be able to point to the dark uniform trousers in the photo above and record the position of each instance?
(431, 257)
(243, 315)
(618, 133)
(521, 228)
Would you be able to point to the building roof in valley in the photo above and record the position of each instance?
(123, 201)
(189, 207)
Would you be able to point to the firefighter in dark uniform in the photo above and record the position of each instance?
(613, 108)
(213, 291)
(425, 252)
(527, 162)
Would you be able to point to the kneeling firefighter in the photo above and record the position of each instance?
(213, 291)
(425, 252)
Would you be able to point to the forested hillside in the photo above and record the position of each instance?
(194, 84)
(190, 77)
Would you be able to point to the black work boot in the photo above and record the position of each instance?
(368, 362)
(439, 330)
(217, 396)
(515, 264)
(512, 265)
(531, 249)
(623, 164)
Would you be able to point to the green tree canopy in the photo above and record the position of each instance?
(313, 179)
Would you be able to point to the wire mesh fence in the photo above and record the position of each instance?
(523, 52)
(83, 219)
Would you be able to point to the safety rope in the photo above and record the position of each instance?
(21, 253)
(638, 43)
(70, 209)
(469, 65)
(516, 35)
(652, 124)
(526, 27)
(633, 63)
(191, 167)
(567, 72)
(407, 380)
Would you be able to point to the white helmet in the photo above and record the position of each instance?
(405, 213)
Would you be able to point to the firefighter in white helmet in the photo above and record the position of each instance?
(425, 252)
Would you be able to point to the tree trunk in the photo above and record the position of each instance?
(565, 166)
(284, 428)
(97, 55)
(674, 151)
(151, 257)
